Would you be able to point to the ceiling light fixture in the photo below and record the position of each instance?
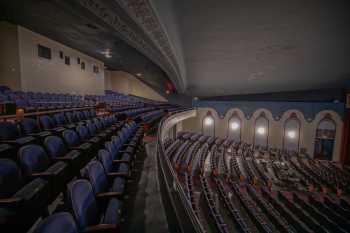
(107, 53)
(138, 74)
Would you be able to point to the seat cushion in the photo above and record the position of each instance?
(44, 134)
(85, 146)
(73, 154)
(25, 140)
(118, 185)
(57, 168)
(59, 129)
(94, 140)
(124, 168)
(126, 157)
(113, 212)
(57, 223)
(102, 135)
(36, 184)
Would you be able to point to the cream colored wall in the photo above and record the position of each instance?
(276, 127)
(125, 83)
(40, 74)
(9, 56)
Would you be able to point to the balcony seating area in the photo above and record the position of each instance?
(244, 189)
(69, 168)
(39, 101)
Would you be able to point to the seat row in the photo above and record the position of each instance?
(96, 201)
(39, 173)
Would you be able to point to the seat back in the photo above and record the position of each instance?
(83, 203)
(8, 131)
(57, 223)
(29, 125)
(86, 114)
(98, 124)
(83, 132)
(55, 146)
(106, 159)
(112, 148)
(10, 178)
(78, 115)
(92, 128)
(70, 117)
(46, 122)
(33, 158)
(60, 119)
(95, 173)
(71, 137)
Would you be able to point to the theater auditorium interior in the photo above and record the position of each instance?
(174, 116)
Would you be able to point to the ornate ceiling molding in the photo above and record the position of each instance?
(150, 39)
(143, 14)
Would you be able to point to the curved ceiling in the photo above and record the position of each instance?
(206, 48)
(244, 46)
(97, 27)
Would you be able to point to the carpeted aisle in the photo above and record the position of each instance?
(144, 210)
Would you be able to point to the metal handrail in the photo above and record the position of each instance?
(176, 186)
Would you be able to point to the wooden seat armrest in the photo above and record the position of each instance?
(101, 228)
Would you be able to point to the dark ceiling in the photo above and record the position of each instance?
(244, 46)
(206, 48)
(69, 23)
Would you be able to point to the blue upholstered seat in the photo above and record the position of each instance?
(48, 123)
(58, 223)
(106, 159)
(97, 176)
(20, 198)
(58, 151)
(9, 133)
(30, 127)
(35, 163)
(86, 210)
(85, 135)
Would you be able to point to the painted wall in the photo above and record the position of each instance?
(9, 56)
(22, 69)
(276, 127)
(126, 83)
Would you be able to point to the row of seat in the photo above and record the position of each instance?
(269, 211)
(96, 201)
(213, 210)
(34, 178)
(38, 101)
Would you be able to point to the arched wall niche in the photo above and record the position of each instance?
(325, 138)
(336, 119)
(291, 133)
(261, 130)
(208, 124)
(243, 127)
(252, 126)
(276, 127)
(234, 127)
